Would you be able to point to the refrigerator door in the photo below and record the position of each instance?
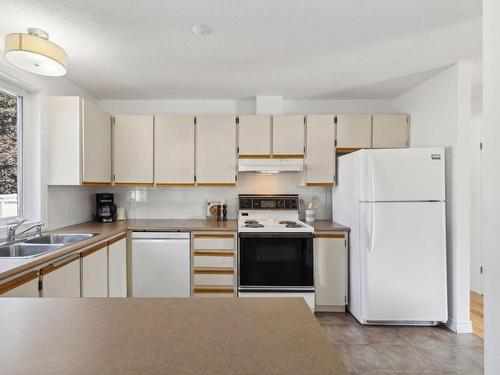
(403, 262)
(413, 174)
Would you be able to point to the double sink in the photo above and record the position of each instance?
(42, 244)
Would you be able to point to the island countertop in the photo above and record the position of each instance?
(164, 336)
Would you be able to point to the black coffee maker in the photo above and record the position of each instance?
(105, 208)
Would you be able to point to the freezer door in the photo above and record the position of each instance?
(403, 261)
(413, 174)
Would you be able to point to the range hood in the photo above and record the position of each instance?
(271, 165)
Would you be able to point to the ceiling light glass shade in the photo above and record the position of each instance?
(35, 53)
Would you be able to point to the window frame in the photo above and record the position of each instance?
(19, 95)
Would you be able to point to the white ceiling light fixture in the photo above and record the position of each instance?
(202, 30)
(35, 53)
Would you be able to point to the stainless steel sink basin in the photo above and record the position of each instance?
(60, 238)
(26, 250)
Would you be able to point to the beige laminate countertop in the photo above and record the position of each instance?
(329, 226)
(163, 336)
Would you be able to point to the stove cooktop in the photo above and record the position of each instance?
(273, 225)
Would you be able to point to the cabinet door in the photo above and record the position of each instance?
(288, 135)
(96, 144)
(62, 279)
(95, 272)
(354, 132)
(133, 150)
(331, 270)
(254, 138)
(216, 150)
(174, 150)
(63, 140)
(117, 257)
(23, 286)
(391, 131)
(320, 150)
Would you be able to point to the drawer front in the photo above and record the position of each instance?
(213, 295)
(224, 242)
(219, 260)
(213, 279)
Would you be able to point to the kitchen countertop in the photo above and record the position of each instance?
(329, 226)
(164, 336)
(10, 267)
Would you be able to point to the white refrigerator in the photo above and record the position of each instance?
(394, 202)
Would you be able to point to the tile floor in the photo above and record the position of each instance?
(379, 350)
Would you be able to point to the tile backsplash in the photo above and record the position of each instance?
(70, 205)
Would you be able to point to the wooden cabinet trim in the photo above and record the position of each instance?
(213, 235)
(213, 271)
(329, 235)
(212, 290)
(327, 184)
(243, 156)
(54, 266)
(165, 184)
(118, 238)
(213, 184)
(90, 183)
(347, 149)
(134, 184)
(288, 156)
(94, 249)
(216, 253)
(9, 285)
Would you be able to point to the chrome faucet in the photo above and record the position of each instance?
(11, 237)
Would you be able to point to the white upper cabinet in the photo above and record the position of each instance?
(254, 136)
(391, 131)
(96, 144)
(320, 150)
(216, 150)
(79, 142)
(354, 131)
(174, 150)
(133, 150)
(288, 135)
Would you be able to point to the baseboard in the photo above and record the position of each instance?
(459, 327)
(320, 308)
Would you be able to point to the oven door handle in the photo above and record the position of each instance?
(275, 235)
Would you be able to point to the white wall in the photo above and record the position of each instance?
(491, 183)
(241, 107)
(35, 129)
(440, 116)
(476, 258)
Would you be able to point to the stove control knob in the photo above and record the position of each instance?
(245, 203)
(281, 204)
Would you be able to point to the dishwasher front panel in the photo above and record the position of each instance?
(161, 267)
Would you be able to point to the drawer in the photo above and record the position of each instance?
(213, 259)
(213, 242)
(218, 279)
(213, 292)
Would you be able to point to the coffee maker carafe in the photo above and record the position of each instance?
(105, 208)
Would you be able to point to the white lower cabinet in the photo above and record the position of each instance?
(117, 267)
(95, 272)
(330, 262)
(23, 286)
(61, 279)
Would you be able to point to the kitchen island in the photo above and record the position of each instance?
(163, 336)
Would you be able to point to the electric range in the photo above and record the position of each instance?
(275, 248)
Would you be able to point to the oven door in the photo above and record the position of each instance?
(275, 262)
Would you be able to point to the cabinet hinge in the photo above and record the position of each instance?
(480, 145)
(305, 121)
(345, 242)
(112, 120)
(40, 285)
(237, 150)
(481, 269)
(335, 142)
(237, 119)
(236, 177)
(304, 150)
(195, 120)
(114, 177)
(194, 178)
(345, 299)
(335, 120)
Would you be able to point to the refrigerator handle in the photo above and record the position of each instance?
(372, 227)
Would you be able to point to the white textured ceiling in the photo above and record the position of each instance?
(144, 49)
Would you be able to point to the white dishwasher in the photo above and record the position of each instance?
(161, 264)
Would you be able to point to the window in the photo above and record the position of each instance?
(10, 155)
